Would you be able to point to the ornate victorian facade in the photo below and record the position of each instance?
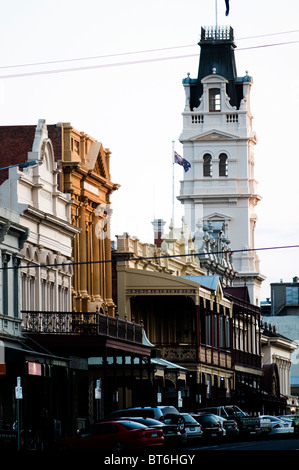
(85, 176)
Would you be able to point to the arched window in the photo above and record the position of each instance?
(223, 164)
(207, 165)
(214, 99)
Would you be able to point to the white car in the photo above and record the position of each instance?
(279, 426)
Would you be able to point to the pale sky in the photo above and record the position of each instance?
(131, 99)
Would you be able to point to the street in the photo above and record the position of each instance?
(276, 444)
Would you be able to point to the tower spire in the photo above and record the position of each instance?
(219, 143)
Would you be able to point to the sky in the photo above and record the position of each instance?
(114, 70)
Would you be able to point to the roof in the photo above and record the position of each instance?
(167, 364)
(16, 142)
(217, 52)
(211, 282)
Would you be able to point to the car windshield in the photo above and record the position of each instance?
(206, 419)
(133, 425)
(189, 420)
(146, 421)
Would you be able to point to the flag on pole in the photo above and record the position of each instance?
(181, 161)
(227, 7)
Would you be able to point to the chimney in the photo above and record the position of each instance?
(158, 231)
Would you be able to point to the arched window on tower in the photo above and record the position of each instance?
(207, 165)
(214, 99)
(223, 170)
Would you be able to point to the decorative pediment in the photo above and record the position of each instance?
(96, 159)
(214, 135)
(218, 217)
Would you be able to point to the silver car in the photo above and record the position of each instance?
(193, 429)
(279, 426)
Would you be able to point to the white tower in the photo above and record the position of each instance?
(218, 141)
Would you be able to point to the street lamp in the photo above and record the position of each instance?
(23, 165)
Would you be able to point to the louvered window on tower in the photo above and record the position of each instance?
(223, 170)
(214, 99)
(207, 165)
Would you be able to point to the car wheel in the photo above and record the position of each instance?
(119, 447)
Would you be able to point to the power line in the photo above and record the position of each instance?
(133, 62)
(105, 56)
(145, 51)
(141, 258)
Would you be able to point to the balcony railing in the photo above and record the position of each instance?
(74, 323)
(246, 359)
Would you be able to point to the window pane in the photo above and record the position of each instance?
(223, 165)
(207, 165)
(214, 99)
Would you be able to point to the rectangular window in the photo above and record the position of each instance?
(214, 100)
(227, 333)
(208, 330)
(292, 295)
(215, 331)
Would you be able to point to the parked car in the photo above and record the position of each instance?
(113, 436)
(211, 426)
(294, 419)
(279, 426)
(265, 424)
(246, 424)
(167, 414)
(171, 432)
(193, 429)
(230, 426)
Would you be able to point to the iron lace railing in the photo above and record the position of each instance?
(79, 323)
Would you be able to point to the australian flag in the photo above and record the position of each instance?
(181, 161)
(227, 7)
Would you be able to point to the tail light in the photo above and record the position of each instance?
(276, 426)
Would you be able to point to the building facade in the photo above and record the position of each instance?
(85, 177)
(282, 312)
(52, 273)
(218, 141)
(277, 351)
(193, 322)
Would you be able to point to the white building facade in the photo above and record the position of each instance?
(218, 141)
(46, 270)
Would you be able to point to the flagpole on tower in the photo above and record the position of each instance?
(216, 16)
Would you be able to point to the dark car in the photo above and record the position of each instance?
(113, 436)
(168, 415)
(211, 426)
(230, 425)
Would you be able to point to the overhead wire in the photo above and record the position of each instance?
(126, 63)
(145, 51)
(145, 258)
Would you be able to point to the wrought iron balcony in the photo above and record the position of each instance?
(80, 323)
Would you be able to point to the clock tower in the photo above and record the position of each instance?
(219, 141)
